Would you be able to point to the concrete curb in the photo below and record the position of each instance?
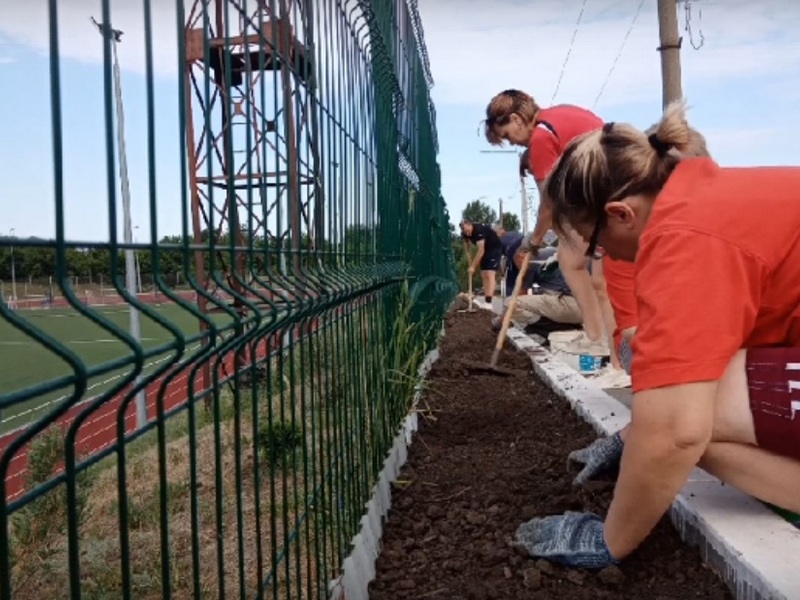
(358, 569)
(755, 551)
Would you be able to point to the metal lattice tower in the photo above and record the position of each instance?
(251, 149)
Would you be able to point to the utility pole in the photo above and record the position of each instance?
(670, 50)
(524, 208)
(115, 35)
(500, 217)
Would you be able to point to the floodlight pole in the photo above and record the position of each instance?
(114, 36)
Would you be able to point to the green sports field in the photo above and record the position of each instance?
(25, 363)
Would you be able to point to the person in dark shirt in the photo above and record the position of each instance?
(513, 252)
(552, 298)
(490, 251)
(509, 241)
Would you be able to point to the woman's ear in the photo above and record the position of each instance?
(620, 212)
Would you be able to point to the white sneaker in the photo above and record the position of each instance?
(610, 378)
(561, 337)
(583, 345)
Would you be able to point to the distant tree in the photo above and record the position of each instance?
(479, 212)
(511, 222)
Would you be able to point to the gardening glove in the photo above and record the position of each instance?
(601, 455)
(573, 539)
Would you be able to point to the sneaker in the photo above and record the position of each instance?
(583, 345)
(609, 378)
(565, 337)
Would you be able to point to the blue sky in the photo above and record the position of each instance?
(743, 86)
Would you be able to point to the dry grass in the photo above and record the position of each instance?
(303, 534)
(101, 557)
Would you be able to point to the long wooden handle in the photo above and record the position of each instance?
(501, 337)
(470, 308)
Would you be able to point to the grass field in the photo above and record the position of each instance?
(25, 363)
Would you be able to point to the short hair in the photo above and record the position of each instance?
(500, 109)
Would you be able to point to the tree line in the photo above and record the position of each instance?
(95, 262)
(38, 262)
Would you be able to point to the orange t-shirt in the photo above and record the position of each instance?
(717, 270)
(619, 276)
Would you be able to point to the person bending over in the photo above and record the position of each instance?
(713, 357)
(552, 298)
(513, 116)
(488, 254)
(508, 270)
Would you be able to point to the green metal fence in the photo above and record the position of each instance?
(227, 448)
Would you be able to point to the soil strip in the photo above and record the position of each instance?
(490, 454)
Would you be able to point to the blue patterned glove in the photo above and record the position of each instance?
(601, 455)
(573, 539)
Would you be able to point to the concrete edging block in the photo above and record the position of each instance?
(358, 569)
(755, 551)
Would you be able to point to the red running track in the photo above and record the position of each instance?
(99, 430)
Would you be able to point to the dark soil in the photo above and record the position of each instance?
(491, 454)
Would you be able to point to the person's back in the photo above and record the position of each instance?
(485, 233)
(556, 127)
(721, 250)
(548, 277)
(510, 241)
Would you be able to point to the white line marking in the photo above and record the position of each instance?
(794, 385)
(99, 341)
(106, 341)
(795, 407)
(793, 366)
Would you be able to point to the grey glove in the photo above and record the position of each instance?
(573, 539)
(601, 455)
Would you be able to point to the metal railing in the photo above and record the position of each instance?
(226, 446)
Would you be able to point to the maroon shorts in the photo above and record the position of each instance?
(773, 379)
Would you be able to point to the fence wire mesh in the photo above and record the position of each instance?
(203, 413)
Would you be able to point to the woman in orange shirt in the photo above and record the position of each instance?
(716, 355)
(514, 116)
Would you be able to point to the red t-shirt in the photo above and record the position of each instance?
(545, 148)
(568, 122)
(718, 269)
(619, 276)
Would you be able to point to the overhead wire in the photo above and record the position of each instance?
(619, 53)
(569, 51)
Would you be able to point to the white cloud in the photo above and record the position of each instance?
(485, 47)
(28, 23)
(491, 46)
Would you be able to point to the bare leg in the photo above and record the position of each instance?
(766, 476)
(488, 279)
(606, 310)
(573, 261)
(733, 456)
